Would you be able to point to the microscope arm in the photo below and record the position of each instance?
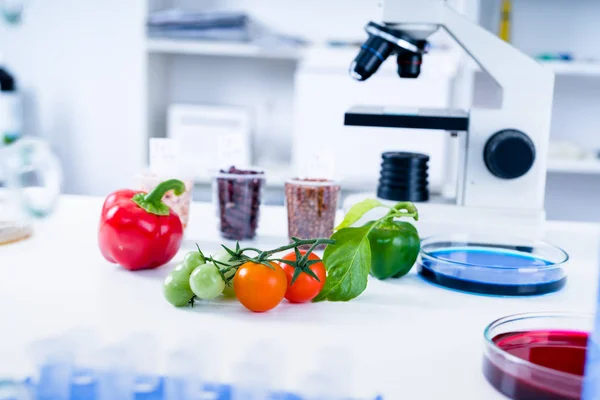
(522, 79)
(503, 155)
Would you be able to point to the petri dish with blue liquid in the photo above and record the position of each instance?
(493, 265)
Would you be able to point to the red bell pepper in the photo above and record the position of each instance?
(137, 230)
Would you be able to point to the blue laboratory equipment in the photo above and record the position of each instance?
(255, 373)
(330, 380)
(72, 368)
(183, 376)
(500, 266)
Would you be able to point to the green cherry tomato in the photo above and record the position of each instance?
(223, 257)
(206, 282)
(176, 288)
(192, 260)
(229, 292)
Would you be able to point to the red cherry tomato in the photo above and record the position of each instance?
(305, 288)
(258, 287)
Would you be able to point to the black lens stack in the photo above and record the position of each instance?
(404, 177)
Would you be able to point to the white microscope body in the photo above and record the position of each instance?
(489, 187)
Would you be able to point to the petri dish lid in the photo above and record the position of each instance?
(493, 265)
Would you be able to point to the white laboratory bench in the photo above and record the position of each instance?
(408, 338)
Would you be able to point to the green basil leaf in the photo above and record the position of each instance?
(348, 263)
(357, 211)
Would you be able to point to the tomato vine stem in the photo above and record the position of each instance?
(238, 258)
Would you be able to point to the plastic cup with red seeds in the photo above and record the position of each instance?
(238, 195)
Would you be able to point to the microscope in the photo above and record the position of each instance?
(502, 152)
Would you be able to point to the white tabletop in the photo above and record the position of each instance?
(408, 338)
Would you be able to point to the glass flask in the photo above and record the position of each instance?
(30, 185)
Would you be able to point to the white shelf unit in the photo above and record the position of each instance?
(564, 68)
(584, 166)
(574, 68)
(225, 49)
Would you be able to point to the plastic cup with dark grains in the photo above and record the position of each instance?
(311, 207)
(238, 197)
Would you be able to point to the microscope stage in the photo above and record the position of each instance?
(412, 118)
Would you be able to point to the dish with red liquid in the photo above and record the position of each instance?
(537, 356)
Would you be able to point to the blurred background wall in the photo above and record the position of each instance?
(98, 84)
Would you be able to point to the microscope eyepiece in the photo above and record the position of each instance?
(382, 42)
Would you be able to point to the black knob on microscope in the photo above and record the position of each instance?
(509, 154)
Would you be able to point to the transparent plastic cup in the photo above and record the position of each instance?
(193, 369)
(115, 372)
(330, 376)
(53, 362)
(252, 382)
(142, 351)
(12, 390)
(311, 207)
(30, 186)
(183, 379)
(238, 196)
(259, 370)
(84, 343)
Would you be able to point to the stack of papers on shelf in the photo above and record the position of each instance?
(197, 20)
(233, 26)
(174, 23)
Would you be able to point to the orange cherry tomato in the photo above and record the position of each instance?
(305, 288)
(258, 287)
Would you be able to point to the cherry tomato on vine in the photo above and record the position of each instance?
(176, 287)
(258, 287)
(206, 282)
(305, 288)
(223, 257)
(192, 260)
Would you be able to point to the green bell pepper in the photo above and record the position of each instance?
(395, 246)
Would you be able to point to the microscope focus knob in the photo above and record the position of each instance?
(509, 154)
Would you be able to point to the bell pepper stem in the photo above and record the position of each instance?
(152, 202)
(403, 209)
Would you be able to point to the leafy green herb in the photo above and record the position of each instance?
(358, 211)
(348, 263)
